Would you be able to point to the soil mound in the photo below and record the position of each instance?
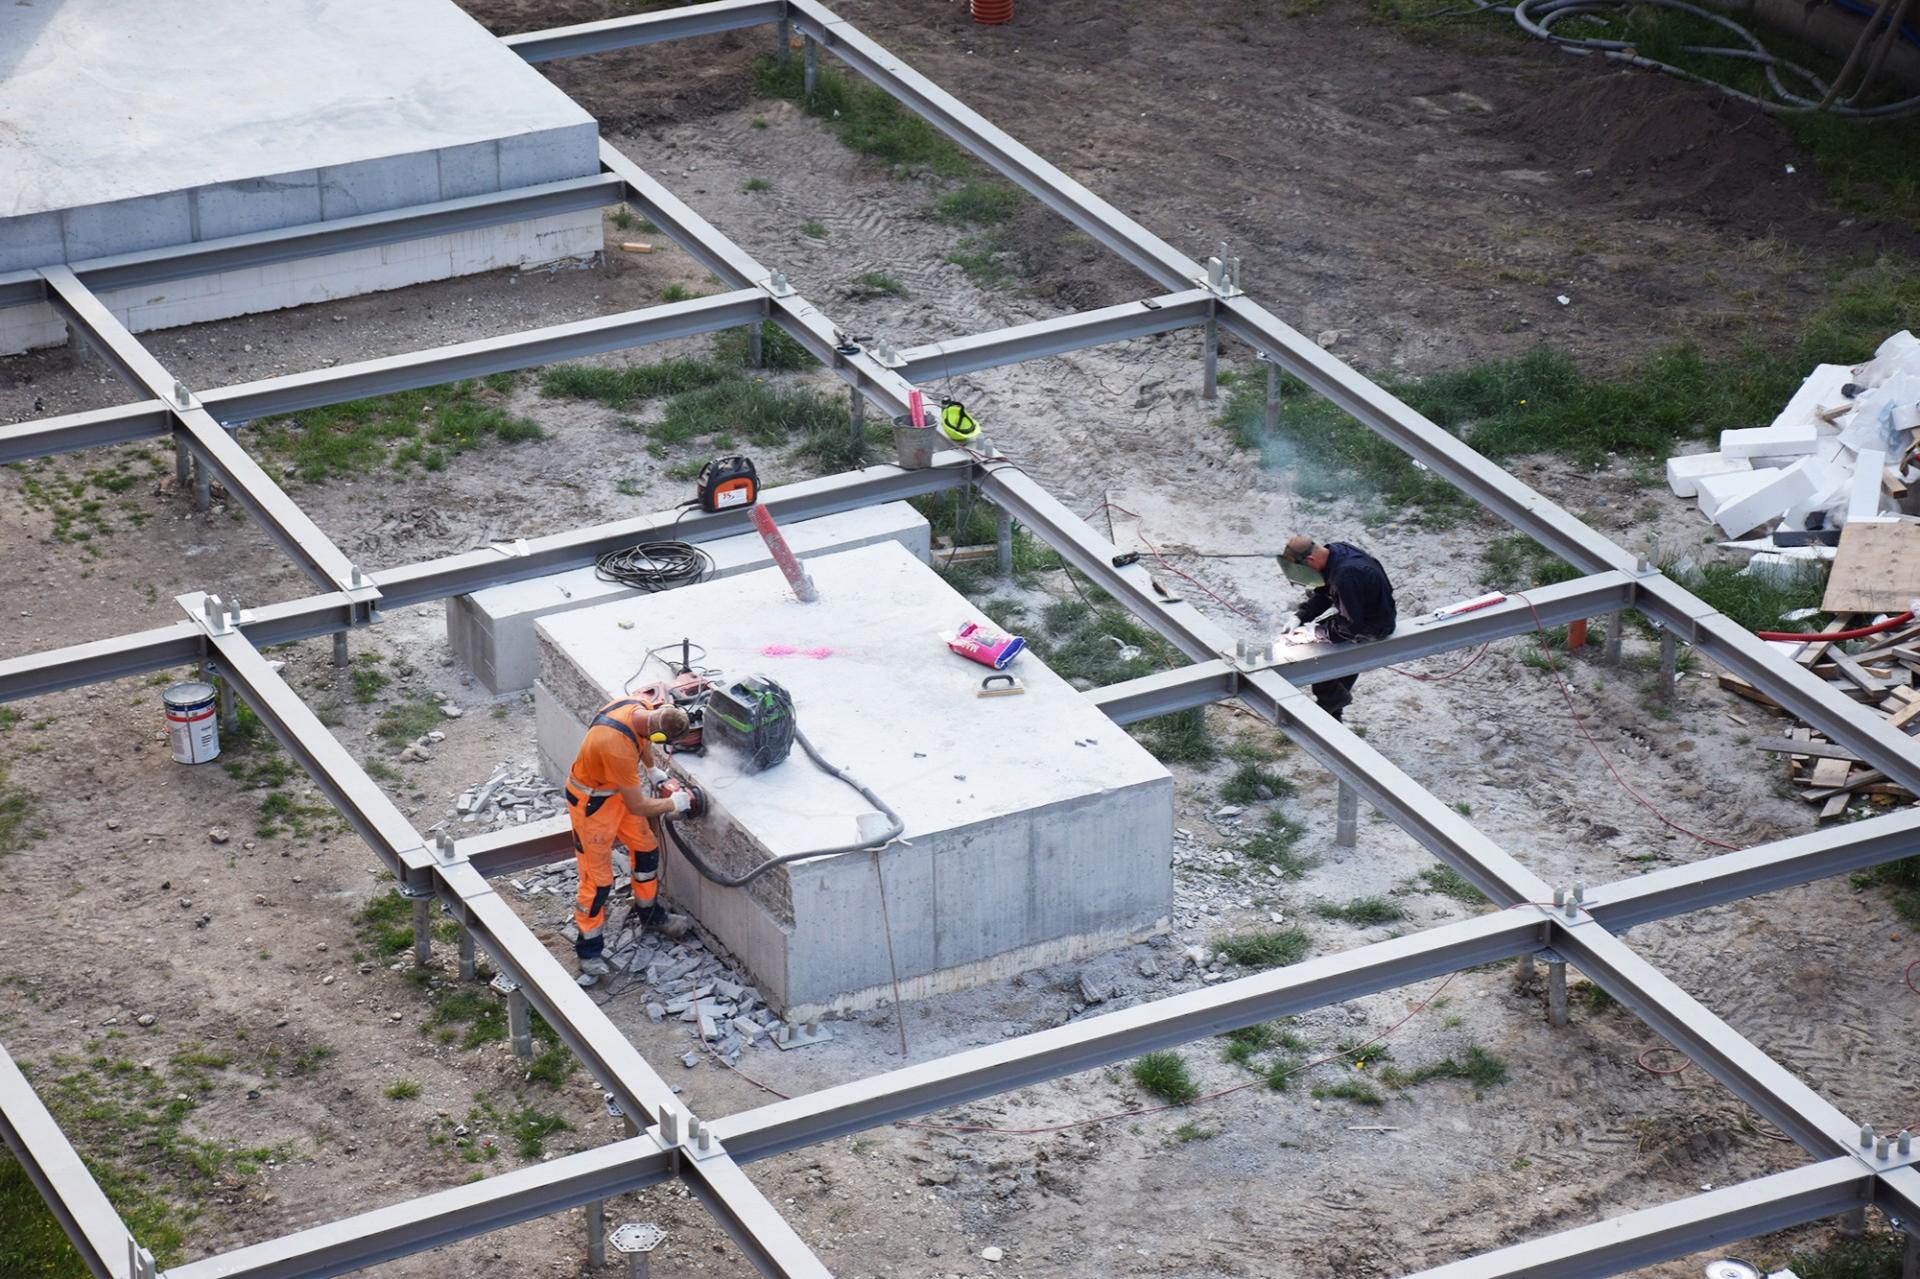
(1654, 144)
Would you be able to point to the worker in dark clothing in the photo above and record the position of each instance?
(1356, 588)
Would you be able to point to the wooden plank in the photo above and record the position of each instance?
(1866, 682)
(1877, 569)
(1891, 484)
(1860, 783)
(1814, 651)
(1835, 805)
(1905, 717)
(1831, 772)
(1740, 688)
(1823, 750)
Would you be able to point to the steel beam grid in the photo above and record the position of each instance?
(99, 1236)
(1841, 1182)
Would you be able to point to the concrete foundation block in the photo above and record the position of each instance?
(31, 241)
(492, 631)
(256, 204)
(473, 169)
(550, 155)
(1036, 830)
(125, 226)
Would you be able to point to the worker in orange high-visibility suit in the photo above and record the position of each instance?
(609, 808)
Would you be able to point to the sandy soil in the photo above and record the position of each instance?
(1280, 1184)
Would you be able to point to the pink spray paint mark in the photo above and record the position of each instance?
(788, 650)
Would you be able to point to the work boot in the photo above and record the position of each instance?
(592, 969)
(668, 923)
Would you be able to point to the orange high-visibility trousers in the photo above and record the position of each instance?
(599, 823)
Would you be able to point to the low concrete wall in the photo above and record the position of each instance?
(492, 631)
(536, 242)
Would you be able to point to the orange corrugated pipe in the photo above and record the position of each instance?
(992, 12)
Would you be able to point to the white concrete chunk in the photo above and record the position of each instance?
(1765, 503)
(1820, 390)
(1863, 502)
(1685, 473)
(1714, 491)
(1795, 440)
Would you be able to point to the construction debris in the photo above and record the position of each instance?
(514, 795)
(1881, 673)
(1842, 452)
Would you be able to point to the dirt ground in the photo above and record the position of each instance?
(1429, 211)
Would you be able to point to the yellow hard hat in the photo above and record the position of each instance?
(957, 424)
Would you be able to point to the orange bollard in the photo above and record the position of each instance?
(1576, 634)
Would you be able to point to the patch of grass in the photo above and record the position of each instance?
(1100, 646)
(530, 1129)
(1448, 882)
(1874, 1257)
(402, 722)
(622, 388)
(1273, 846)
(757, 184)
(1901, 879)
(1165, 1075)
(1365, 912)
(623, 217)
(679, 293)
(979, 202)
(1193, 1132)
(979, 258)
(1282, 1072)
(385, 924)
(1244, 1043)
(1757, 602)
(815, 426)
(1263, 947)
(1475, 1065)
(18, 826)
(402, 1090)
(1353, 1090)
(33, 1244)
(873, 284)
(1517, 563)
(814, 228)
(865, 118)
(1180, 738)
(780, 351)
(551, 1066)
(1252, 783)
(477, 1009)
(367, 684)
(426, 427)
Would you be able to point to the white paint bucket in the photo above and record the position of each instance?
(193, 722)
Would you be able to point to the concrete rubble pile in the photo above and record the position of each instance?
(513, 796)
(1842, 451)
(685, 979)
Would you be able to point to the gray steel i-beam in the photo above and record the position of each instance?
(1043, 338)
(1750, 1074)
(278, 514)
(99, 1235)
(1097, 1041)
(645, 28)
(1653, 1235)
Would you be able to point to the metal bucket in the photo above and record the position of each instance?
(913, 445)
(193, 722)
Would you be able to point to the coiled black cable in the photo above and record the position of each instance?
(655, 566)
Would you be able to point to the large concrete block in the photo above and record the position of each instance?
(492, 631)
(374, 186)
(1036, 829)
(256, 204)
(124, 226)
(473, 169)
(550, 155)
(37, 239)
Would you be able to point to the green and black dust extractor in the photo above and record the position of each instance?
(755, 716)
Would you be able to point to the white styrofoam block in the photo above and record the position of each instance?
(1863, 501)
(1900, 353)
(1684, 473)
(1715, 491)
(1765, 502)
(1820, 390)
(1795, 440)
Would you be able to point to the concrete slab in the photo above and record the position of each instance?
(112, 100)
(1036, 830)
(492, 631)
